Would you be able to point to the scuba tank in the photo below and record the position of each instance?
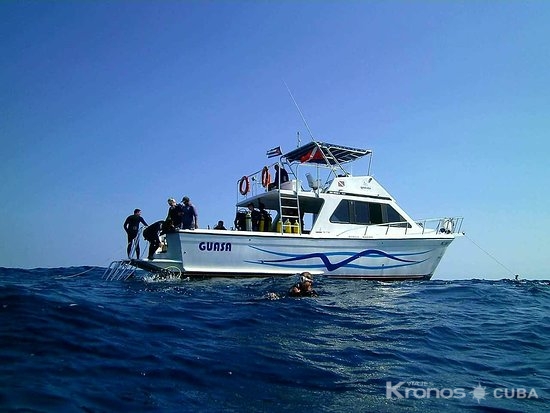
(286, 226)
(248, 220)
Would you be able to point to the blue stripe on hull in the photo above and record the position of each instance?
(346, 263)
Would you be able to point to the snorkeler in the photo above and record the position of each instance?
(304, 288)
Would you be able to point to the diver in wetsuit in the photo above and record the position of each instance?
(131, 226)
(151, 234)
(175, 213)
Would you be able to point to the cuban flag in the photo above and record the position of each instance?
(274, 152)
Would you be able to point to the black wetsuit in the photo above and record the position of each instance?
(302, 291)
(255, 216)
(131, 226)
(283, 178)
(175, 215)
(267, 219)
(151, 234)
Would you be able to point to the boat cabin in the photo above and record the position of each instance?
(329, 200)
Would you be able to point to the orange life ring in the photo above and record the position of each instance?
(266, 177)
(244, 185)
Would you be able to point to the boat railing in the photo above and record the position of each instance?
(135, 243)
(253, 183)
(256, 183)
(446, 225)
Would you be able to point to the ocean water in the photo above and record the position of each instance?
(71, 341)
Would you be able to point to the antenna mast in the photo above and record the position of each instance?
(299, 111)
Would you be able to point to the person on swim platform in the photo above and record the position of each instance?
(131, 226)
(152, 234)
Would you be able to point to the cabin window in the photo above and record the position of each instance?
(362, 215)
(365, 213)
(341, 214)
(375, 211)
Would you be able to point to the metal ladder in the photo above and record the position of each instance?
(119, 270)
(289, 209)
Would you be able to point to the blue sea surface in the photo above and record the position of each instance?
(71, 341)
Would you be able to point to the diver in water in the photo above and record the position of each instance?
(304, 288)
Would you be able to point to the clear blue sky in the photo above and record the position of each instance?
(108, 106)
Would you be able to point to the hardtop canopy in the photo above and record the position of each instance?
(322, 153)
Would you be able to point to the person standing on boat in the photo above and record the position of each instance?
(264, 215)
(131, 226)
(220, 226)
(175, 213)
(190, 218)
(281, 176)
(255, 216)
(152, 234)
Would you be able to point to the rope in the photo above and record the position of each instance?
(80, 273)
(135, 241)
(497, 261)
(121, 250)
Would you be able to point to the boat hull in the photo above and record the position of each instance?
(251, 254)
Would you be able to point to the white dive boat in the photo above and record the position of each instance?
(339, 225)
